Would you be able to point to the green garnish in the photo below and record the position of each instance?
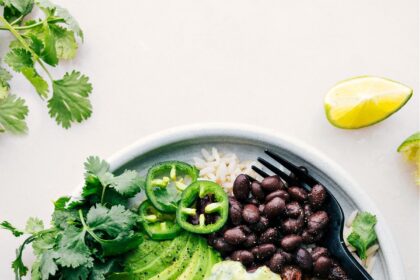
(88, 234)
(363, 235)
(39, 43)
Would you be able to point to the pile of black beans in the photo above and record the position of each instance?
(270, 225)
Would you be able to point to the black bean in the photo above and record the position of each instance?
(293, 209)
(252, 200)
(276, 262)
(291, 242)
(263, 251)
(287, 256)
(243, 256)
(292, 225)
(317, 196)
(235, 236)
(211, 238)
(252, 268)
(322, 266)
(257, 191)
(304, 259)
(280, 193)
(235, 214)
(318, 252)
(251, 214)
(307, 210)
(261, 225)
(269, 236)
(261, 208)
(298, 193)
(222, 246)
(274, 208)
(241, 187)
(272, 183)
(251, 241)
(291, 272)
(309, 238)
(245, 229)
(317, 222)
(337, 273)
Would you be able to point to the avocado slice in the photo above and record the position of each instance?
(183, 259)
(194, 269)
(201, 268)
(213, 258)
(155, 264)
(148, 251)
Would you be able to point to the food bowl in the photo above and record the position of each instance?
(247, 142)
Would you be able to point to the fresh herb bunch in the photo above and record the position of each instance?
(38, 43)
(87, 233)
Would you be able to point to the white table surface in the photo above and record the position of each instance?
(159, 64)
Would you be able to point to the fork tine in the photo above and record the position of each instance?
(259, 171)
(276, 171)
(293, 168)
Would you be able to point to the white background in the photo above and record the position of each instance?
(158, 64)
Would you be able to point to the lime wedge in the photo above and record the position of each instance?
(410, 148)
(364, 101)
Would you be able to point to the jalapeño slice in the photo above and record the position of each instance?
(203, 208)
(159, 226)
(165, 182)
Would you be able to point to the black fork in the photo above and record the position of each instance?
(333, 239)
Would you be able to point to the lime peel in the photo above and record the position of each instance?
(410, 149)
(363, 101)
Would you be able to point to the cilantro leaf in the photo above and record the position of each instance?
(36, 80)
(19, 58)
(96, 166)
(124, 242)
(127, 184)
(112, 221)
(363, 235)
(49, 53)
(79, 273)
(63, 13)
(72, 249)
(65, 42)
(4, 82)
(168, 196)
(34, 225)
(70, 102)
(8, 226)
(18, 266)
(23, 6)
(13, 112)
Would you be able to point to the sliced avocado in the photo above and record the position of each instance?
(183, 259)
(164, 260)
(213, 258)
(190, 270)
(201, 268)
(148, 251)
(155, 264)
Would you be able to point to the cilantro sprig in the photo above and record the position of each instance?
(363, 233)
(39, 44)
(88, 233)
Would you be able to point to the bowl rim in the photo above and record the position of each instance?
(149, 143)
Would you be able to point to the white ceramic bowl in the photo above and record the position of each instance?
(249, 142)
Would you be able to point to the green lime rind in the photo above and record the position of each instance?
(412, 140)
(327, 107)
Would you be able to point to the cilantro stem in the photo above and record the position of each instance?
(26, 27)
(25, 45)
(87, 228)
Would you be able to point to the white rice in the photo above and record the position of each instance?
(223, 168)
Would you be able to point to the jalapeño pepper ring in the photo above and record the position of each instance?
(165, 182)
(188, 207)
(159, 226)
